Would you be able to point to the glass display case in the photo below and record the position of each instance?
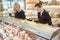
(34, 30)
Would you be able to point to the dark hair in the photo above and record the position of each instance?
(39, 4)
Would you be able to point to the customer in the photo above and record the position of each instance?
(43, 15)
(19, 13)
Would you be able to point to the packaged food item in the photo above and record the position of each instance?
(26, 36)
(30, 38)
(22, 36)
(11, 36)
(16, 38)
(7, 38)
(1, 37)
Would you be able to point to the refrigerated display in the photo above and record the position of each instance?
(34, 30)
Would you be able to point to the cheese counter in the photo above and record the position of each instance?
(40, 30)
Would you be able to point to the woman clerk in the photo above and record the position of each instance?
(19, 13)
(43, 15)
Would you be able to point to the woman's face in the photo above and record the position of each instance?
(38, 9)
(17, 7)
